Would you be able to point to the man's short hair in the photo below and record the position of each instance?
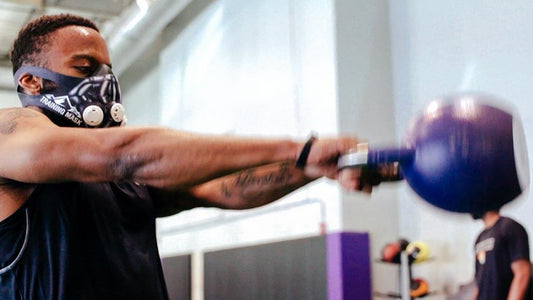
(33, 37)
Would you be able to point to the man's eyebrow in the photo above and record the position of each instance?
(90, 58)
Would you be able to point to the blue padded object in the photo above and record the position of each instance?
(462, 154)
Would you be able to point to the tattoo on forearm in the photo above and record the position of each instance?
(250, 177)
(250, 183)
(226, 190)
(9, 119)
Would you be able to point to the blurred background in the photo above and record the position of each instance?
(292, 67)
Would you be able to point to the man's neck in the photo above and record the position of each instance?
(490, 218)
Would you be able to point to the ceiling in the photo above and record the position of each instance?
(129, 26)
(15, 13)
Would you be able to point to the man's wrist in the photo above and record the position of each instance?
(301, 161)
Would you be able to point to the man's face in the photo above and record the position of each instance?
(75, 51)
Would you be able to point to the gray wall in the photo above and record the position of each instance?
(367, 109)
(9, 98)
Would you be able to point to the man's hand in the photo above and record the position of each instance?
(323, 161)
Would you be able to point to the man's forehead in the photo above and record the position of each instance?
(74, 35)
(73, 42)
(75, 29)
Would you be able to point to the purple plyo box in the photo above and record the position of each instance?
(348, 265)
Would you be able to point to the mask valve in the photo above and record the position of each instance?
(93, 115)
(117, 112)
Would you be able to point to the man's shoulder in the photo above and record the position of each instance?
(9, 111)
(507, 221)
(507, 225)
(12, 116)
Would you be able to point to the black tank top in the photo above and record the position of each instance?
(82, 241)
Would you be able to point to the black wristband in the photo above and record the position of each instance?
(302, 159)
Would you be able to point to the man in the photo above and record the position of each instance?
(78, 205)
(502, 259)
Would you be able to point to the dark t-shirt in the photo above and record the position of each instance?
(82, 241)
(496, 249)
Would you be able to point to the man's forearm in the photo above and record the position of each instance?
(36, 151)
(174, 158)
(253, 187)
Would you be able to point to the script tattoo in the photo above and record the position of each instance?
(9, 119)
(226, 190)
(251, 184)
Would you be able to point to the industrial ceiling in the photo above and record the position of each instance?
(15, 13)
(129, 26)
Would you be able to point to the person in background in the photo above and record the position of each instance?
(502, 258)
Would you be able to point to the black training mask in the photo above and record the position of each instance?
(92, 101)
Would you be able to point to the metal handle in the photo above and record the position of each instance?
(378, 165)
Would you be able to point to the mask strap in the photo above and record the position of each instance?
(46, 74)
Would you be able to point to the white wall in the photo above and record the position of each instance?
(363, 67)
(140, 83)
(9, 99)
(441, 47)
(248, 68)
(282, 68)
(366, 109)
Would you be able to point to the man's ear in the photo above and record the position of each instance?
(30, 84)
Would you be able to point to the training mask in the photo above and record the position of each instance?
(92, 101)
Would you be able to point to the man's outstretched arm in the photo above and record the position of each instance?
(34, 150)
